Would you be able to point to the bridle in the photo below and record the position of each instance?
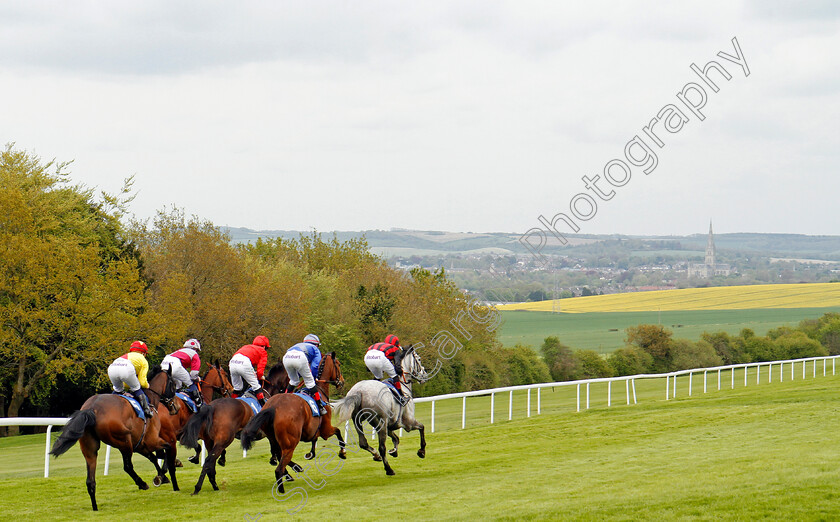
(221, 389)
(338, 383)
(169, 402)
(413, 375)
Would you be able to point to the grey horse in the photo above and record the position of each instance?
(372, 402)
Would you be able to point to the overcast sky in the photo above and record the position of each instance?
(460, 116)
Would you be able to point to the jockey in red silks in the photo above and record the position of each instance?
(301, 362)
(386, 357)
(248, 365)
(131, 371)
(185, 365)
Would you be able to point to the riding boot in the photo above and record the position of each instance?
(140, 395)
(398, 385)
(196, 396)
(260, 396)
(192, 391)
(290, 388)
(315, 394)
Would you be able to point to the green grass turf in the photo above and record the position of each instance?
(604, 331)
(755, 451)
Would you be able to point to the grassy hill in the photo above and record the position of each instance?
(604, 331)
(761, 451)
(423, 242)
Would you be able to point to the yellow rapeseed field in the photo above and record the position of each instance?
(812, 295)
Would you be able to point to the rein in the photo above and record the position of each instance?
(221, 389)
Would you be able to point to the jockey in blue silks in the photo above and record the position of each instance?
(302, 361)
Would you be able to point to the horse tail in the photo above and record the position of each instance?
(342, 410)
(249, 432)
(73, 430)
(191, 430)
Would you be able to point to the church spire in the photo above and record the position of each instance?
(710, 248)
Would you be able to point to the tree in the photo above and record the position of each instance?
(70, 290)
(688, 355)
(559, 358)
(630, 360)
(591, 365)
(655, 340)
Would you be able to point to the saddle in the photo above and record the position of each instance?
(249, 399)
(138, 409)
(188, 401)
(313, 404)
(401, 399)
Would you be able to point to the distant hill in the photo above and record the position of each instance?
(406, 243)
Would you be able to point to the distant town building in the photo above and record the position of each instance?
(710, 268)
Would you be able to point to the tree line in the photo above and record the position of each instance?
(652, 349)
(80, 280)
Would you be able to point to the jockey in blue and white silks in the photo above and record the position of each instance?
(301, 362)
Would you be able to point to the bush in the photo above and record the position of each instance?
(688, 355)
(521, 365)
(797, 345)
(560, 360)
(591, 365)
(630, 360)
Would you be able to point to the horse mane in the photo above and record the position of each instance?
(156, 369)
(274, 370)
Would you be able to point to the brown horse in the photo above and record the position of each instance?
(216, 379)
(111, 419)
(216, 424)
(287, 419)
(278, 379)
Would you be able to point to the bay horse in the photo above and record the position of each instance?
(214, 380)
(111, 419)
(287, 419)
(216, 423)
(278, 379)
(371, 401)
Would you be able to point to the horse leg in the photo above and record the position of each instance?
(275, 450)
(160, 478)
(209, 468)
(342, 453)
(169, 453)
(396, 441)
(195, 459)
(311, 454)
(280, 473)
(161, 470)
(128, 467)
(414, 425)
(90, 448)
(381, 433)
(363, 443)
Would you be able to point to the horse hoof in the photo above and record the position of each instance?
(143, 485)
(273, 461)
(194, 459)
(393, 453)
(194, 493)
(389, 472)
(178, 463)
(157, 481)
(377, 458)
(342, 455)
(421, 454)
(309, 456)
(221, 463)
